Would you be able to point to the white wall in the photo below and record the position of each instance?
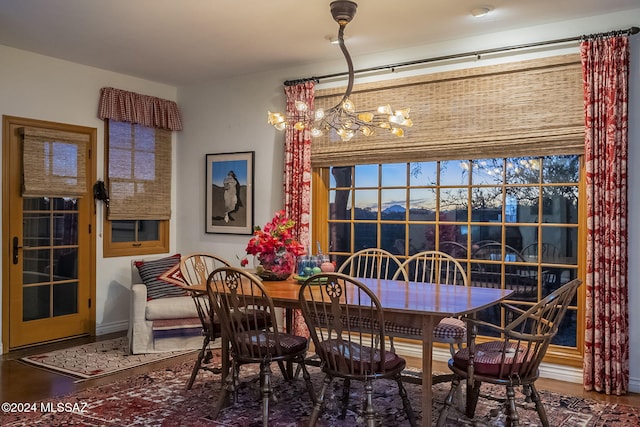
(230, 115)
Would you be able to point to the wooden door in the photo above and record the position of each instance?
(48, 251)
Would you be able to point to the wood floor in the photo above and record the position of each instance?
(22, 383)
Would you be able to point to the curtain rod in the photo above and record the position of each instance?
(629, 31)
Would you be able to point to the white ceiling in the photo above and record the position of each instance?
(181, 42)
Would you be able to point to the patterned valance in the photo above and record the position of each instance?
(124, 106)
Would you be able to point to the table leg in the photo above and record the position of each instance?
(427, 356)
(288, 321)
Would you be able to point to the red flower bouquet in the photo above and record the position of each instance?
(275, 248)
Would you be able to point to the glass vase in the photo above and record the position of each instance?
(275, 266)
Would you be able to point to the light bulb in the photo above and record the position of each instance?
(366, 117)
(397, 132)
(315, 132)
(385, 109)
(301, 106)
(348, 106)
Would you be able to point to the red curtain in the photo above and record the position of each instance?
(605, 65)
(297, 176)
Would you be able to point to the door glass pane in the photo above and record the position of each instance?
(36, 302)
(65, 228)
(65, 264)
(65, 298)
(36, 230)
(36, 265)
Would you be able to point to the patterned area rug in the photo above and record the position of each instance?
(159, 398)
(96, 359)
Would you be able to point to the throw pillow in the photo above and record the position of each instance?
(162, 277)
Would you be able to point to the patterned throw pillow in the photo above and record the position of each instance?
(162, 277)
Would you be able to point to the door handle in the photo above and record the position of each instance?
(15, 250)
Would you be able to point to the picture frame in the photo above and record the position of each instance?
(229, 192)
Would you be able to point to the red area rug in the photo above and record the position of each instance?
(159, 398)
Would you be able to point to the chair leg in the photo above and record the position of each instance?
(198, 364)
(448, 401)
(513, 419)
(315, 414)
(345, 397)
(472, 398)
(392, 347)
(228, 389)
(265, 390)
(307, 380)
(369, 413)
(405, 401)
(539, 406)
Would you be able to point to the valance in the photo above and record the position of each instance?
(124, 106)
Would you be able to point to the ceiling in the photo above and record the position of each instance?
(182, 42)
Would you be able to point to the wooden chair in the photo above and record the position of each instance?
(371, 263)
(249, 323)
(432, 267)
(195, 269)
(514, 359)
(346, 324)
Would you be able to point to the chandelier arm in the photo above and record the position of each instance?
(347, 58)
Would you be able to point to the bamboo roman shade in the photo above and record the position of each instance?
(53, 163)
(527, 108)
(139, 172)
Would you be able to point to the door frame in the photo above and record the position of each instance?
(7, 123)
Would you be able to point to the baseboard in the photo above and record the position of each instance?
(109, 328)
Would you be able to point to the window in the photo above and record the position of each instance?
(511, 222)
(138, 161)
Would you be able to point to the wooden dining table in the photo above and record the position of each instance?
(427, 301)
(430, 302)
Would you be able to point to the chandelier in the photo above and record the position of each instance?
(343, 117)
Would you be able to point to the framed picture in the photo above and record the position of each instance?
(229, 184)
